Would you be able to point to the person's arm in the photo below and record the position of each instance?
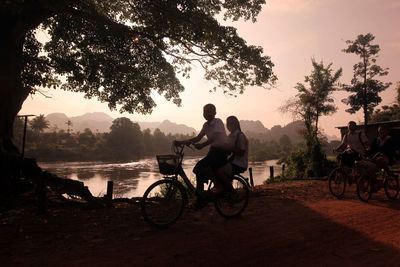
(342, 145)
(364, 140)
(217, 132)
(193, 140)
(208, 141)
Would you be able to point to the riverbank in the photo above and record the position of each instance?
(297, 223)
(132, 178)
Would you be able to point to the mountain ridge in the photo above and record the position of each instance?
(101, 122)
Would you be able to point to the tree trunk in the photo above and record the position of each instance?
(12, 93)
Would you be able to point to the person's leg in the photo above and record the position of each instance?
(201, 169)
(224, 174)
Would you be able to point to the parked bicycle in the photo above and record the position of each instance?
(164, 201)
(339, 178)
(371, 183)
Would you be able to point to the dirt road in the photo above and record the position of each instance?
(293, 224)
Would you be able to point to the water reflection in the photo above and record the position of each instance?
(131, 179)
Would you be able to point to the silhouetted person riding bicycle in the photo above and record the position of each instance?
(354, 145)
(216, 157)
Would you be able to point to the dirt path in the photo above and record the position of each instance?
(297, 223)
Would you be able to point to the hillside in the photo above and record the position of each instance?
(101, 122)
(255, 129)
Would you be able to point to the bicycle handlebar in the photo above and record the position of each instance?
(178, 146)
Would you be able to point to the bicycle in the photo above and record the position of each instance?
(339, 178)
(369, 184)
(164, 201)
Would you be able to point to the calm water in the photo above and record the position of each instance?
(131, 179)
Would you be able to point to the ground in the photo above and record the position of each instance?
(297, 223)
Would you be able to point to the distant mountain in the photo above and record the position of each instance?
(57, 121)
(253, 126)
(101, 122)
(167, 127)
(255, 129)
(95, 121)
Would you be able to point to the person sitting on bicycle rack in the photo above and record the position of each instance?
(238, 161)
(383, 150)
(355, 145)
(216, 157)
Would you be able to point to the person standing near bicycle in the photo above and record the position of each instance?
(355, 145)
(216, 157)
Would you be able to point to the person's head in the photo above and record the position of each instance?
(383, 130)
(351, 126)
(209, 112)
(232, 123)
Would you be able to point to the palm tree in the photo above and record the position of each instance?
(39, 123)
(69, 124)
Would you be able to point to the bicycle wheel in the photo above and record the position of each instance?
(392, 187)
(364, 188)
(228, 207)
(337, 182)
(163, 203)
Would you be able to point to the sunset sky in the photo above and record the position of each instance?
(291, 33)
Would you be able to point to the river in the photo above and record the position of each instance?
(131, 179)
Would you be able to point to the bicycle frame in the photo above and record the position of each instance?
(164, 209)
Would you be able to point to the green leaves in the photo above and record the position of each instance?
(121, 52)
(364, 86)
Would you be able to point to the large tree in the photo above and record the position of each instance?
(121, 51)
(312, 102)
(365, 88)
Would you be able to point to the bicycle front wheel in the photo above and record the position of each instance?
(232, 206)
(364, 188)
(337, 182)
(163, 203)
(392, 187)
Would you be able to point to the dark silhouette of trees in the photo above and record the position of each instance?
(122, 51)
(388, 113)
(69, 126)
(309, 105)
(39, 123)
(365, 88)
(126, 138)
(314, 101)
(86, 138)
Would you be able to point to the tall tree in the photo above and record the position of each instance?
(314, 101)
(364, 87)
(310, 104)
(69, 126)
(121, 51)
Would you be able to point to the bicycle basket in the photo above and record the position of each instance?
(168, 164)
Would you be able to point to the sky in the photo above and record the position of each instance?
(291, 32)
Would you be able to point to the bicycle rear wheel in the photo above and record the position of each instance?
(392, 187)
(337, 182)
(163, 203)
(229, 206)
(364, 188)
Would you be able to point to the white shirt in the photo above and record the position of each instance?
(355, 142)
(215, 131)
(238, 139)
